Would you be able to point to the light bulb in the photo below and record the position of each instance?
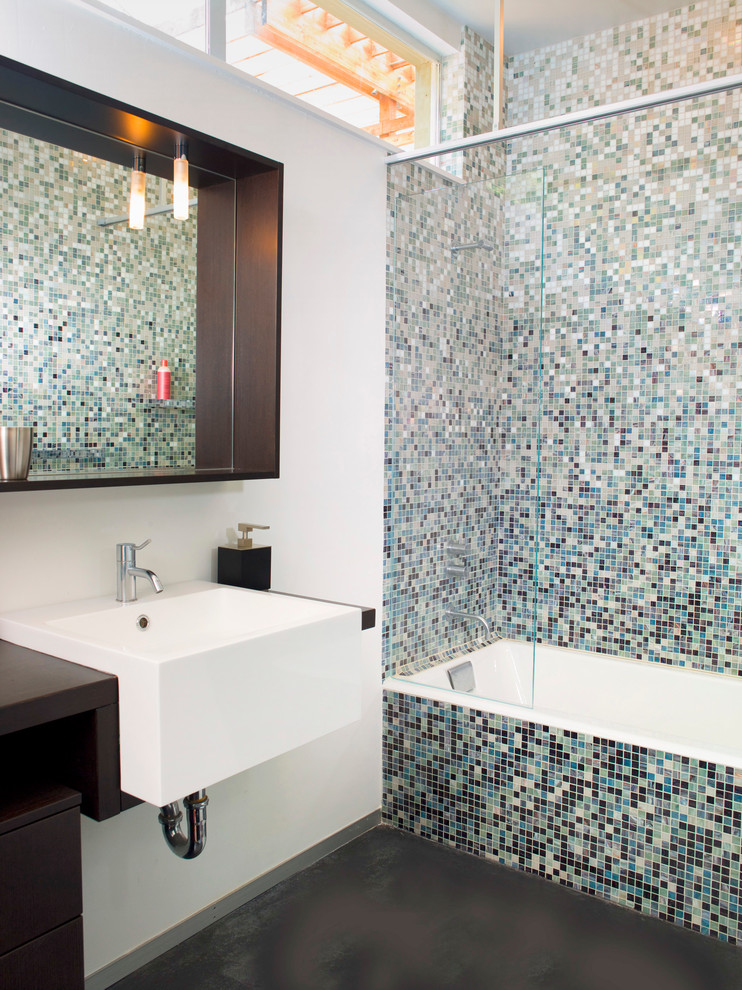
(136, 195)
(180, 185)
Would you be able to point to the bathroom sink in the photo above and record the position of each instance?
(212, 679)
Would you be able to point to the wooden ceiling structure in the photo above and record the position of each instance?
(346, 63)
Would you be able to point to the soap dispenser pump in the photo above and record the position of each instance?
(248, 565)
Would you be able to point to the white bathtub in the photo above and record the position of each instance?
(671, 709)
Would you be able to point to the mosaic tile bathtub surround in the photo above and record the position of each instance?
(88, 313)
(626, 536)
(641, 420)
(471, 281)
(636, 550)
(650, 830)
(456, 440)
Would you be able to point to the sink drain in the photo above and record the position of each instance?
(143, 622)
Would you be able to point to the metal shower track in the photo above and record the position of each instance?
(707, 88)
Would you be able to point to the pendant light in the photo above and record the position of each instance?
(180, 182)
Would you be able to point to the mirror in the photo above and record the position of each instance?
(93, 307)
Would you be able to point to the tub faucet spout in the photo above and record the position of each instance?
(127, 572)
(453, 614)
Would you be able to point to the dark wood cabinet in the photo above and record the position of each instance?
(51, 962)
(59, 750)
(40, 888)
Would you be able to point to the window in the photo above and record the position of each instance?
(336, 60)
(181, 19)
(330, 56)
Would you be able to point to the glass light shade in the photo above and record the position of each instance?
(136, 199)
(180, 188)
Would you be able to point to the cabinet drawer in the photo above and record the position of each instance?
(51, 962)
(40, 878)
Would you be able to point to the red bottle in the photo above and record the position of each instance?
(163, 381)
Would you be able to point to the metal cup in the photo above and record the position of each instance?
(16, 443)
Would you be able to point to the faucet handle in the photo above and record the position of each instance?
(126, 551)
(142, 545)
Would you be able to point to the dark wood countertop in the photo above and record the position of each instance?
(36, 688)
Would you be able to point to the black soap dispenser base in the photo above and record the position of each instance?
(245, 566)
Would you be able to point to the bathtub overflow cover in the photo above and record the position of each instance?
(143, 622)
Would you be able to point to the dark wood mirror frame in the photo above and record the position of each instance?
(238, 262)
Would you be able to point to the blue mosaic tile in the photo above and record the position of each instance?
(88, 312)
(633, 540)
(654, 831)
(601, 511)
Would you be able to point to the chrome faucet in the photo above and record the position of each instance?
(127, 572)
(453, 614)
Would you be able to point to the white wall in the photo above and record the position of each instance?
(325, 511)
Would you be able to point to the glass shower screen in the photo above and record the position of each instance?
(463, 418)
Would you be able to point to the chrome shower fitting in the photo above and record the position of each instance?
(455, 563)
(453, 614)
(483, 245)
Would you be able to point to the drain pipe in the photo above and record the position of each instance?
(170, 817)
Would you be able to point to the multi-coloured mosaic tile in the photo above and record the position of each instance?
(657, 832)
(466, 108)
(600, 501)
(451, 407)
(688, 45)
(639, 429)
(88, 313)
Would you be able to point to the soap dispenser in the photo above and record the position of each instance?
(248, 565)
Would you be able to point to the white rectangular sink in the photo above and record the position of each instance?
(212, 679)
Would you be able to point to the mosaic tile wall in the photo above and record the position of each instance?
(464, 419)
(444, 406)
(639, 544)
(684, 46)
(652, 831)
(463, 288)
(88, 312)
(466, 109)
(641, 421)
(640, 470)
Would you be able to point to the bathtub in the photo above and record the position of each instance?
(623, 780)
(669, 709)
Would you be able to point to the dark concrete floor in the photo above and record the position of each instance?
(391, 911)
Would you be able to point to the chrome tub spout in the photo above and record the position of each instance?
(453, 614)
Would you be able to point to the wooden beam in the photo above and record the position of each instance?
(303, 32)
(389, 127)
(340, 73)
(381, 36)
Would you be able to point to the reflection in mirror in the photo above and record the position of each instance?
(93, 307)
(90, 310)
